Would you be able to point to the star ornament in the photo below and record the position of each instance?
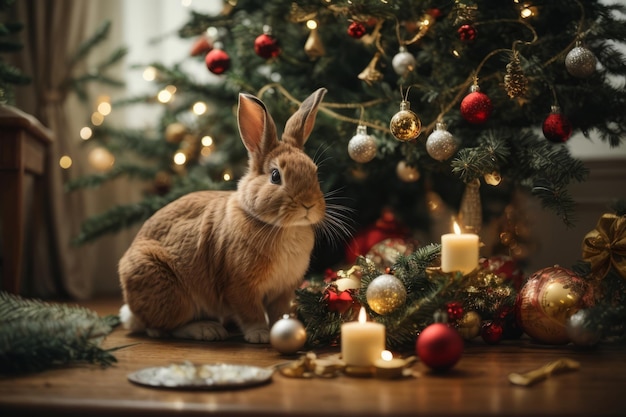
(605, 246)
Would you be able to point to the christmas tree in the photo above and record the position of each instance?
(429, 102)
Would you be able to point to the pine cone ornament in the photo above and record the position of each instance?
(515, 81)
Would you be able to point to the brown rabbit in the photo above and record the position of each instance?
(216, 256)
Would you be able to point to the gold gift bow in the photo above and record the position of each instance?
(605, 246)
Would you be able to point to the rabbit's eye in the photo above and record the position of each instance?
(275, 176)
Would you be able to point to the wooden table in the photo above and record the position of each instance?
(24, 144)
(477, 386)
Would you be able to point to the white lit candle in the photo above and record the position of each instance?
(459, 251)
(362, 341)
(389, 367)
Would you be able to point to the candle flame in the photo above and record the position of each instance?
(386, 355)
(362, 315)
(457, 229)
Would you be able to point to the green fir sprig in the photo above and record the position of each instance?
(37, 335)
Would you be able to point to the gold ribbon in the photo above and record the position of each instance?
(605, 246)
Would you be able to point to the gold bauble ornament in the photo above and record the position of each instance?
(469, 325)
(405, 125)
(385, 294)
(406, 172)
(101, 159)
(287, 335)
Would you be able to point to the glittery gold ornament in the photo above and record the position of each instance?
(406, 172)
(471, 212)
(287, 335)
(405, 125)
(385, 294)
(580, 62)
(362, 147)
(440, 144)
(469, 325)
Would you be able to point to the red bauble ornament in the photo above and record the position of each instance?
(217, 61)
(266, 46)
(491, 332)
(356, 30)
(454, 310)
(467, 33)
(439, 347)
(201, 46)
(476, 107)
(556, 127)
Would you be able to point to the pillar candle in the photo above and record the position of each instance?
(459, 251)
(362, 341)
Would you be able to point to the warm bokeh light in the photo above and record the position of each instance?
(149, 74)
(85, 133)
(199, 108)
(97, 118)
(227, 176)
(104, 108)
(311, 24)
(101, 159)
(164, 96)
(206, 141)
(180, 158)
(65, 162)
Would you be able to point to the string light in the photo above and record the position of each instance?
(199, 108)
(180, 158)
(166, 95)
(227, 176)
(206, 141)
(311, 24)
(85, 133)
(104, 108)
(65, 162)
(97, 118)
(149, 74)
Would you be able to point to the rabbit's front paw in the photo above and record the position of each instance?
(201, 330)
(257, 336)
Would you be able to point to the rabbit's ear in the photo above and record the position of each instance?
(256, 127)
(300, 124)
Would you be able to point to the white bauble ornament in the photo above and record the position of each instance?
(440, 144)
(403, 62)
(362, 147)
(580, 62)
(287, 335)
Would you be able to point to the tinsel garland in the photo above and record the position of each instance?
(427, 291)
(36, 335)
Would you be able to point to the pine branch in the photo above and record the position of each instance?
(85, 48)
(119, 170)
(36, 335)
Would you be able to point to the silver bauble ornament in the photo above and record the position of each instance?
(385, 294)
(405, 125)
(287, 335)
(362, 147)
(403, 62)
(440, 144)
(406, 172)
(579, 331)
(580, 62)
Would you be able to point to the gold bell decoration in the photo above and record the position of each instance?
(370, 74)
(313, 47)
(471, 211)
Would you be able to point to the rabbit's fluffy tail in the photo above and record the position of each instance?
(130, 321)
